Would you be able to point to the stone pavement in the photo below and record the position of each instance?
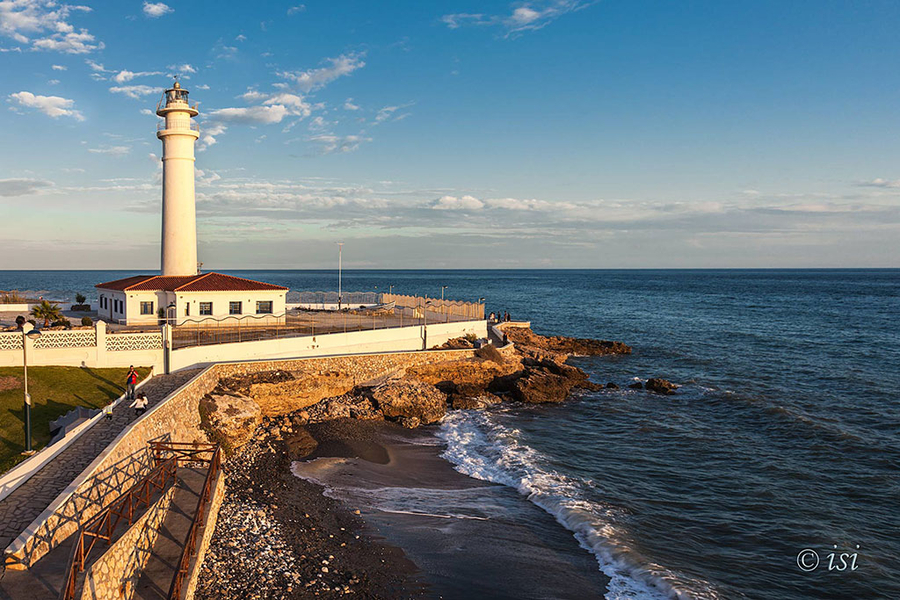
(25, 504)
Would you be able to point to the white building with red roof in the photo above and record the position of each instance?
(181, 294)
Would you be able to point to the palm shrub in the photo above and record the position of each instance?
(80, 298)
(46, 311)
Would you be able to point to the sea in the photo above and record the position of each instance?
(774, 472)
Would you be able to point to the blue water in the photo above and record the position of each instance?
(785, 435)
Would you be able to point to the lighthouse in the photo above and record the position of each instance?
(179, 294)
(179, 216)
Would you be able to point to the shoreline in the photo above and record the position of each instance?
(278, 536)
(392, 518)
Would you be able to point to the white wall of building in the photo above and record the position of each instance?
(221, 302)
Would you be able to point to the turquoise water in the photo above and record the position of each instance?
(784, 437)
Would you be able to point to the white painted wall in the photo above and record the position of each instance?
(356, 342)
(220, 306)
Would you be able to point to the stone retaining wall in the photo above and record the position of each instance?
(177, 419)
(114, 575)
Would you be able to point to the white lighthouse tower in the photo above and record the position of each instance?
(179, 219)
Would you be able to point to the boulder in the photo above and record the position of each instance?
(589, 386)
(541, 386)
(660, 386)
(300, 444)
(477, 402)
(611, 386)
(233, 416)
(637, 385)
(407, 399)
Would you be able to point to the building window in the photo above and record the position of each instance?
(206, 308)
(187, 309)
(234, 308)
(146, 308)
(264, 307)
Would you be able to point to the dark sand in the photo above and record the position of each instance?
(469, 538)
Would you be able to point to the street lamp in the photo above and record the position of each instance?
(340, 270)
(444, 308)
(28, 331)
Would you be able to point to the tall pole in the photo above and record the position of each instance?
(340, 272)
(27, 397)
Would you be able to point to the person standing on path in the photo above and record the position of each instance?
(130, 381)
(107, 411)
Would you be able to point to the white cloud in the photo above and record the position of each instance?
(201, 87)
(454, 203)
(135, 91)
(313, 79)
(111, 150)
(241, 38)
(296, 104)
(125, 75)
(53, 81)
(147, 111)
(70, 43)
(296, 9)
(52, 106)
(48, 22)
(97, 67)
(527, 16)
(154, 10)
(208, 134)
(22, 187)
(256, 115)
(183, 68)
(881, 183)
(58, 68)
(348, 104)
(337, 144)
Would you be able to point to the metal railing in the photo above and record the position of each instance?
(162, 126)
(102, 525)
(308, 323)
(192, 453)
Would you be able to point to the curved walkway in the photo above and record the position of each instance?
(25, 504)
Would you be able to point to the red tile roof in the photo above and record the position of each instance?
(207, 282)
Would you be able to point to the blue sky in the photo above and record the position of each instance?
(549, 133)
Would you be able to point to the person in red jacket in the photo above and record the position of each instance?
(130, 381)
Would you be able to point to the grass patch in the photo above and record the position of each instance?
(54, 392)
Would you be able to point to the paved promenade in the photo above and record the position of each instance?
(26, 503)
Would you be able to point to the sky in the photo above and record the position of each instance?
(535, 134)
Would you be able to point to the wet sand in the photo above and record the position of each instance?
(467, 538)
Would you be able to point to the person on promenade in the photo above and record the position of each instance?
(140, 404)
(492, 317)
(130, 381)
(107, 410)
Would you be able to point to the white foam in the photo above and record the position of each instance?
(480, 447)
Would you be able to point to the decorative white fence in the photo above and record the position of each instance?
(79, 338)
(118, 342)
(11, 341)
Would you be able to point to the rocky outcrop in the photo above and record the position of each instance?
(231, 416)
(660, 386)
(280, 397)
(410, 402)
(528, 340)
(637, 385)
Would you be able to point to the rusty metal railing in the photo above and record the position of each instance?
(190, 543)
(102, 525)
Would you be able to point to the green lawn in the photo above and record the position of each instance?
(54, 392)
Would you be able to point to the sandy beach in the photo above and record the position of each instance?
(422, 529)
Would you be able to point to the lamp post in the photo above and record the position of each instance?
(28, 331)
(443, 307)
(340, 271)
